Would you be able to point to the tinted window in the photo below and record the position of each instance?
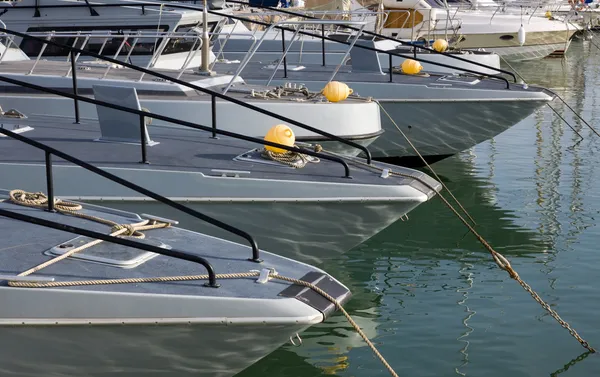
(143, 46)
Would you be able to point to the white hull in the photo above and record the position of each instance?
(516, 54)
(354, 121)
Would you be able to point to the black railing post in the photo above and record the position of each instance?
(49, 182)
(74, 76)
(284, 56)
(323, 43)
(391, 68)
(213, 105)
(143, 139)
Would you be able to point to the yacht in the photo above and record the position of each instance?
(104, 292)
(512, 35)
(323, 202)
(441, 114)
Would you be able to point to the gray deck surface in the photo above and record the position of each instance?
(22, 246)
(312, 72)
(315, 72)
(179, 149)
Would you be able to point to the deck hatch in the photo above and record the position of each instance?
(106, 253)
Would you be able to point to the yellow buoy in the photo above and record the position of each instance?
(548, 14)
(440, 45)
(411, 67)
(280, 134)
(336, 91)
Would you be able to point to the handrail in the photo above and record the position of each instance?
(189, 7)
(204, 90)
(52, 151)
(212, 278)
(255, 47)
(390, 54)
(298, 14)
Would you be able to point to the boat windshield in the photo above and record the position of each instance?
(436, 3)
(108, 46)
(187, 38)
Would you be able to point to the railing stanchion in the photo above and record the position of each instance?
(74, 77)
(213, 106)
(284, 57)
(323, 43)
(391, 68)
(49, 182)
(143, 139)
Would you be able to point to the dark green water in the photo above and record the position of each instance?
(431, 298)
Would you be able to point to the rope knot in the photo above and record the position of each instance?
(130, 230)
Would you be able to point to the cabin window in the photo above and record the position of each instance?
(507, 37)
(189, 34)
(144, 46)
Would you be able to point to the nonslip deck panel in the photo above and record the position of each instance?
(24, 244)
(178, 150)
(253, 70)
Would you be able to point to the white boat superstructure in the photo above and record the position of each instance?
(160, 36)
(512, 35)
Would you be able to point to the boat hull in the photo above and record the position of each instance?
(138, 350)
(444, 128)
(437, 123)
(308, 222)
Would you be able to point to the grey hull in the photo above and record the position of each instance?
(445, 128)
(308, 232)
(183, 350)
(309, 229)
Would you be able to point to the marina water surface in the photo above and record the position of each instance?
(429, 295)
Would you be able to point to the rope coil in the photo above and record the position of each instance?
(40, 200)
(290, 158)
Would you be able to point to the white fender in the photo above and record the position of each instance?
(521, 35)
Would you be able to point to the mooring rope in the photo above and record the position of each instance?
(427, 164)
(500, 260)
(291, 158)
(39, 200)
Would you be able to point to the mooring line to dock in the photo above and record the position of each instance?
(500, 259)
(427, 164)
(561, 99)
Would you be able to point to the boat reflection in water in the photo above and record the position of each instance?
(388, 278)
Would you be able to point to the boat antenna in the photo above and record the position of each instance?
(204, 66)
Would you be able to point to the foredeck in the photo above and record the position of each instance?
(158, 88)
(24, 244)
(182, 150)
